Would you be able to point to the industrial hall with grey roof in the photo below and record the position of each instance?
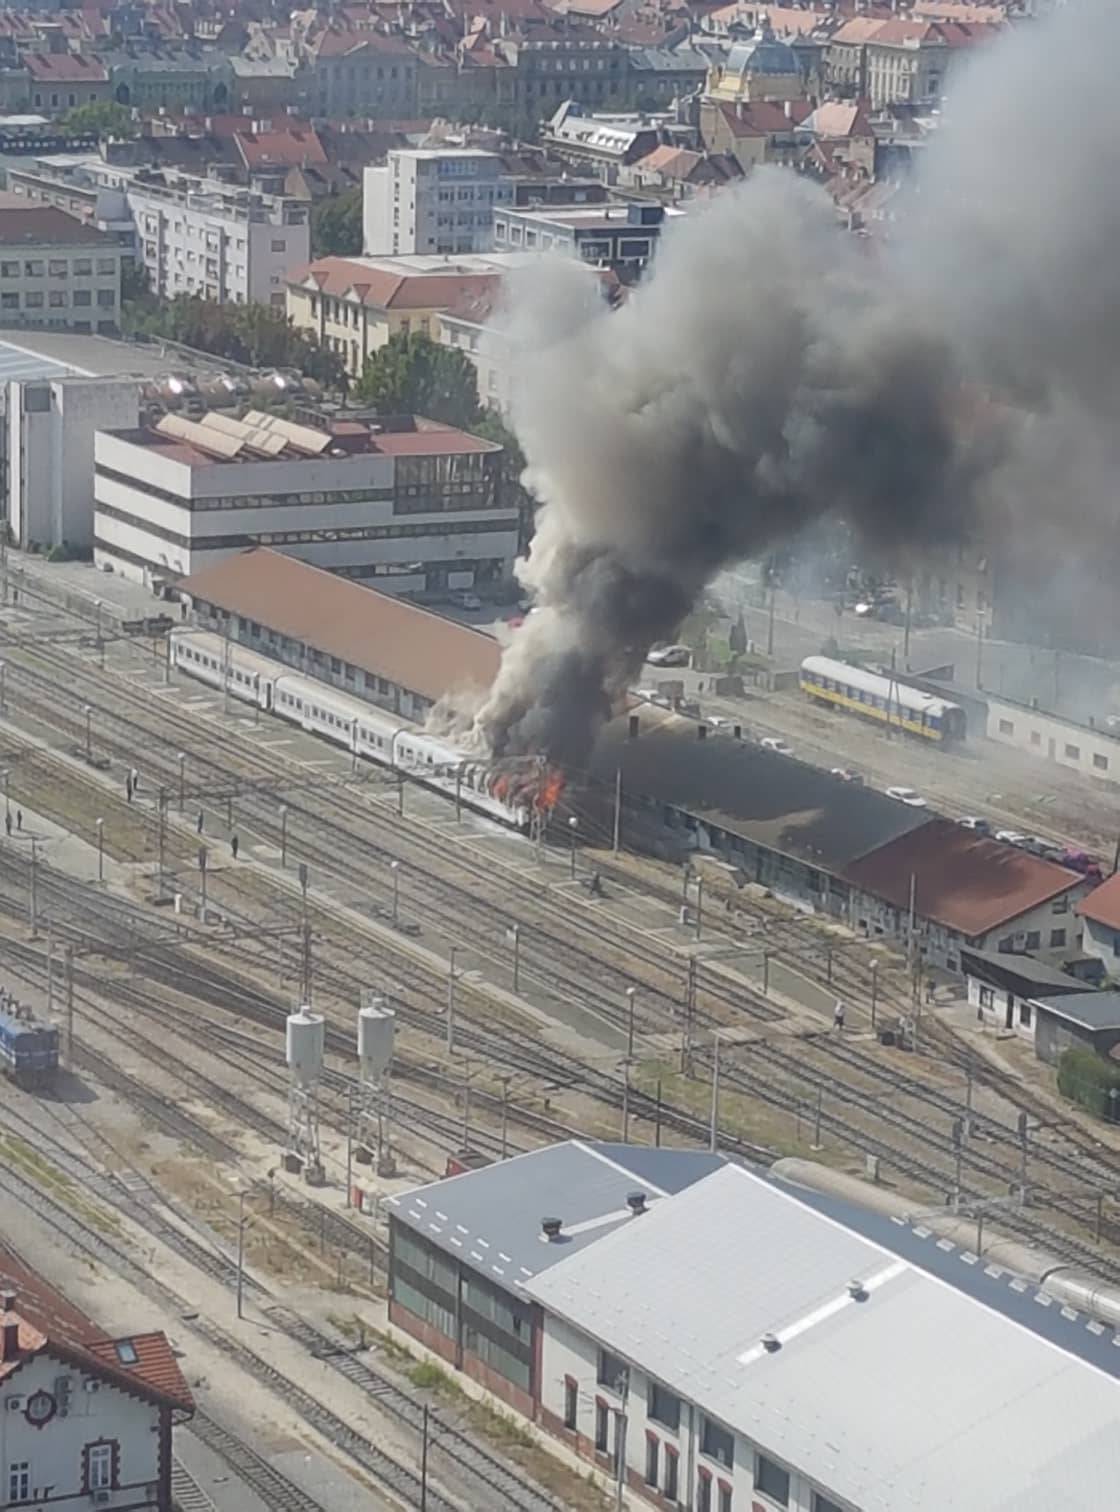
(742, 1342)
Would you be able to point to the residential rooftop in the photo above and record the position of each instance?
(1102, 906)
(47, 226)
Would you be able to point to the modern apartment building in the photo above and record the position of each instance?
(622, 237)
(219, 241)
(56, 271)
(433, 200)
(404, 502)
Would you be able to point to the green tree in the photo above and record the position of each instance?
(411, 375)
(102, 118)
(336, 225)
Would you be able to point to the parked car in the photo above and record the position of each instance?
(845, 774)
(669, 656)
(972, 822)
(776, 743)
(463, 599)
(908, 796)
(1010, 837)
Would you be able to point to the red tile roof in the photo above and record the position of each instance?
(412, 647)
(383, 289)
(48, 1323)
(64, 68)
(280, 149)
(962, 881)
(764, 117)
(1102, 905)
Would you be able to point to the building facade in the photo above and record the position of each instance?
(353, 305)
(85, 1420)
(50, 427)
(217, 241)
(418, 507)
(619, 237)
(57, 272)
(428, 200)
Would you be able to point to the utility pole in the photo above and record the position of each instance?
(620, 1434)
(34, 899)
(459, 794)
(100, 849)
(162, 802)
(699, 905)
(50, 970)
(305, 986)
(70, 1007)
(906, 631)
(241, 1196)
(516, 959)
(958, 1151)
(504, 1079)
(350, 1144)
(3, 690)
(466, 1105)
(713, 1131)
(89, 745)
(424, 1461)
(182, 778)
(451, 1000)
(202, 877)
(874, 991)
(631, 994)
(770, 619)
(573, 830)
(626, 1101)
(283, 836)
(617, 833)
(980, 648)
(689, 1011)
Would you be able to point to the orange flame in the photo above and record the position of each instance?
(550, 790)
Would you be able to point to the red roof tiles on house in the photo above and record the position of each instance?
(64, 68)
(280, 149)
(47, 226)
(383, 289)
(1102, 905)
(962, 881)
(48, 1323)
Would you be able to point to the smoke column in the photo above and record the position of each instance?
(770, 371)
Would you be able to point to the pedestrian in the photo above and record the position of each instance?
(930, 986)
(200, 821)
(8, 822)
(135, 780)
(838, 1017)
(128, 786)
(234, 845)
(19, 818)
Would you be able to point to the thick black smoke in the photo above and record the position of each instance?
(770, 371)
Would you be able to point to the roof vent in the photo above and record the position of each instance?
(636, 1201)
(551, 1228)
(857, 1291)
(771, 1343)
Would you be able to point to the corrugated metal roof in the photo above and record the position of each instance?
(419, 651)
(491, 1218)
(962, 880)
(924, 1396)
(775, 801)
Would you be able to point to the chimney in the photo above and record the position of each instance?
(551, 1227)
(633, 727)
(701, 732)
(636, 1202)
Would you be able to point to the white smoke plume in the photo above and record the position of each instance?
(770, 371)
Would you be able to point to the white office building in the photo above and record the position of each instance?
(219, 241)
(433, 200)
(408, 504)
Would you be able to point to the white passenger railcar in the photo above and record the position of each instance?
(362, 728)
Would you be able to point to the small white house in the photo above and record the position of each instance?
(1100, 917)
(84, 1420)
(1002, 987)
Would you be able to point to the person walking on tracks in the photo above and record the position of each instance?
(838, 1017)
(234, 845)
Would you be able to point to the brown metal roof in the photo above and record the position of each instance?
(962, 880)
(409, 646)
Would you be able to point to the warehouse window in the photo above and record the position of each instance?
(1034, 939)
(1024, 1014)
(602, 1423)
(571, 1401)
(612, 1372)
(1100, 762)
(653, 1455)
(771, 1480)
(663, 1406)
(1006, 727)
(1036, 737)
(1073, 752)
(987, 997)
(718, 1444)
(671, 1474)
(1057, 939)
(824, 1503)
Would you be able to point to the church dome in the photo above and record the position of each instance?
(763, 56)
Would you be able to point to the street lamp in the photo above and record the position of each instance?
(182, 778)
(631, 993)
(3, 694)
(395, 868)
(89, 717)
(874, 991)
(980, 613)
(283, 836)
(241, 1196)
(100, 850)
(573, 829)
(699, 904)
(7, 794)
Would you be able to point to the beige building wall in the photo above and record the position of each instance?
(351, 329)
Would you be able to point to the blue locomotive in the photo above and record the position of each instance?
(28, 1049)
